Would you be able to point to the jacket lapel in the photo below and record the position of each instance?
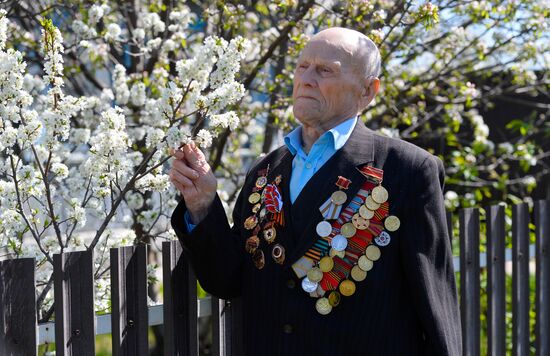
(358, 151)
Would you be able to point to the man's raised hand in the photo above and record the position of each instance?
(193, 177)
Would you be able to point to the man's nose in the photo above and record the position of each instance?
(308, 77)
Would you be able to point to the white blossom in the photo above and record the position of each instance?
(113, 32)
(137, 94)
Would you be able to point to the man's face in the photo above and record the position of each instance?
(327, 88)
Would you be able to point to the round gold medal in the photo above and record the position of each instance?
(332, 252)
(315, 274)
(371, 204)
(392, 223)
(359, 222)
(334, 298)
(379, 194)
(326, 263)
(250, 222)
(258, 258)
(323, 306)
(365, 212)
(364, 263)
(339, 197)
(373, 253)
(358, 274)
(347, 288)
(254, 198)
(348, 230)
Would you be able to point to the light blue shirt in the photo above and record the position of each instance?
(305, 165)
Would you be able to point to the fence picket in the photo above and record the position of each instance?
(129, 319)
(496, 291)
(180, 302)
(469, 281)
(542, 232)
(520, 279)
(17, 307)
(74, 304)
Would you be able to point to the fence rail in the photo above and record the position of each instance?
(75, 325)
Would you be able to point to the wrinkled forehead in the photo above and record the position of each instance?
(322, 50)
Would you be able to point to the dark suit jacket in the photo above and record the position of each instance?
(407, 305)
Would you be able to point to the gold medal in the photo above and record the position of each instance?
(254, 198)
(339, 197)
(334, 298)
(323, 306)
(365, 212)
(359, 222)
(315, 275)
(364, 263)
(371, 204)
(252, 244)
(348, 230)
(373, 253)
(392, 223)
(379, 194)
(270, 234)
(250, 222)
(358, 274)
(332, 252)
(347, 288)
(326, 264)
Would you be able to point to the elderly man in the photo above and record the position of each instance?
(339, 244)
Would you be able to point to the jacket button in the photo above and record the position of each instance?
(290, 284)
(287, 329)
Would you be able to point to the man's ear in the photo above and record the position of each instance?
(372, 85)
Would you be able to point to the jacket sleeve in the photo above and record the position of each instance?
(213, 247)
(428, 262)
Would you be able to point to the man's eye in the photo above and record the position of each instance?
(325, 70)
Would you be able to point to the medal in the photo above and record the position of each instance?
(359, 222)
(270, 234)
(383, 239)
(392, 223)
(261, 182)
(339, 243)
(254, 198)
(315, 275)
(252, 244)
(379, 194)
(333, 253)
(364, 263)
(348, 230)
(347, 288)
(323, 306)
(258, 258)
(250, 222)
(323, 228)
(358, 274)
(373, 253)
(371, 204)
(365, 212)
(308, 285)
(334, 298)
(338, 197)
(326, 263)
(278, 254)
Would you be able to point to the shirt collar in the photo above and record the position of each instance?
(336, 137)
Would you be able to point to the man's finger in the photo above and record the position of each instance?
(184, 169)
(176, 176)
(194, 156)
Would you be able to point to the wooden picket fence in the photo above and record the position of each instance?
(76, 325)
